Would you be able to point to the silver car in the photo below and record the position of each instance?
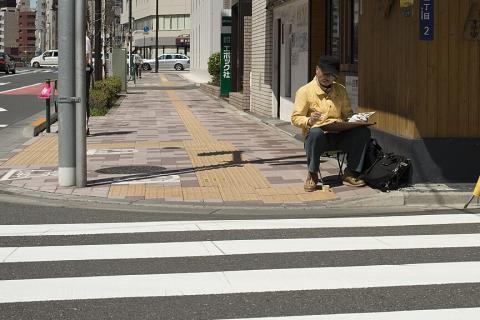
(168, 61)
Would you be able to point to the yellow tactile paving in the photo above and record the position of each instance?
(173, 193)
(42, 152)
(154, 192)
(118, 191)
(214, 161)
(136, 190)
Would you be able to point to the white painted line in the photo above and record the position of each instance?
(24, 87)
(231, 247)
(231, 282)
(4, 83)
(439, 314)
(172, 226)
(159, 180)
(3, 110)
(3, 125)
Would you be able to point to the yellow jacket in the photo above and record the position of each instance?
(335, 106)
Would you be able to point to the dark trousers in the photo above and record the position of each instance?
(353, 142)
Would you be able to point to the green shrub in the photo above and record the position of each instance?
(103, 95)
(214, 68)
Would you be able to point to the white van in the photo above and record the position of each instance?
(47, 59)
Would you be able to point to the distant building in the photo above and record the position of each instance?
(173, 31)
(9, 30)
(26, 36)
(206, 25)
(51, 23)
(8, 3)
(40, 24)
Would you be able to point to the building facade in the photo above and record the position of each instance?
(415, 63)
(51, 24)
(173, 29)
(26, 37)
(206, 29)
(9, 30)
(40, 26)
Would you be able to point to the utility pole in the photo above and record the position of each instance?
(81, 90)
(98, 40)
(156, 37)
(67, 99)
(130, 32)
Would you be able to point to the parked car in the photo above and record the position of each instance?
(168, 61)
(7, 63)
(47, 59)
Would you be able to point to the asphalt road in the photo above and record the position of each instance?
(65, 263)
(16, 102)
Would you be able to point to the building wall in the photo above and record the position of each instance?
(261, 76)
(420, 89)
(206, 29)
(247, 60)
(9, 30)
(40, 26)
(51, 25)
(26, 38)
(293, 41)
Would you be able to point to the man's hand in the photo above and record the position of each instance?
(314, 117)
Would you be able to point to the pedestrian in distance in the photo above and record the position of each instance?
(320, 102)
(138, 61)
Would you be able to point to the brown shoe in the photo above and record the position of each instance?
(311, 182)
(352, 178)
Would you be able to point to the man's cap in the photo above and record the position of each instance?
(329, 64)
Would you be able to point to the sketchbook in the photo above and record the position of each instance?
(343, 126)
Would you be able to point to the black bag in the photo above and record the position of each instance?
(389, 172)
(373, 153)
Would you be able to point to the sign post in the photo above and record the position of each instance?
(225, 54)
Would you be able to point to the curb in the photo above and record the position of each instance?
(38, 126)
(381, 201)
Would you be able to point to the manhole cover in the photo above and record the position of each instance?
(131, 170)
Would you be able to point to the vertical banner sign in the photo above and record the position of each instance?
(225, 55)
(426, 20)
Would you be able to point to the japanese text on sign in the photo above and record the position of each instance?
(426, 20)
(227, 65)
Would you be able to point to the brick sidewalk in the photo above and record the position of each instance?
(171, 142)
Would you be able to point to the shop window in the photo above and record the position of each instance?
(342, 31)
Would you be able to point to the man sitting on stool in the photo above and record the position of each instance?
(320, 102)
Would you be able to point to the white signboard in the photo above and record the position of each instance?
(351, 83)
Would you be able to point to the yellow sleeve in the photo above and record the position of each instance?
(300, 109)
(347, 111)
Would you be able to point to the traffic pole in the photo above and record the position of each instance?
(156, 37)
(67, 99)
(81, 90)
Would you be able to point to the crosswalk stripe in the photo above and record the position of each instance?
(231, 282)
(173, 226)
(233, 247)
(439, 314)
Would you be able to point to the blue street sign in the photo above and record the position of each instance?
(426, 20)
(146, 29)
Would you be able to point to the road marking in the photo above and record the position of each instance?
(439, 314)
(2, 110)
(3, 125)
(232, 282)
(211, 225)
(233, 247)
(24, 87)
(4, 83)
